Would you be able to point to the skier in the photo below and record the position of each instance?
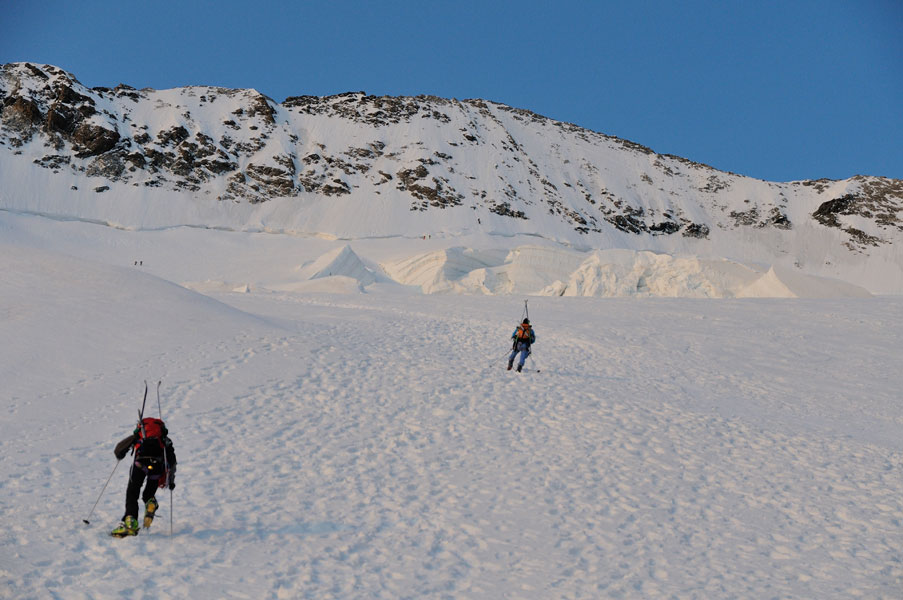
(155, 460)
(523, 337)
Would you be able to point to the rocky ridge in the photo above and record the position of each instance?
(428, 153)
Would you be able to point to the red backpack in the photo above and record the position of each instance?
(152, 428)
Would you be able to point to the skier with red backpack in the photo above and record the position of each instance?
(155, 461)
(523, 337)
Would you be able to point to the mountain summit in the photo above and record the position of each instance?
(353, 166)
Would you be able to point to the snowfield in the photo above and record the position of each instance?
(344, 435)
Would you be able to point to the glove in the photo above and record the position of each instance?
(123, 447)
(171, 480)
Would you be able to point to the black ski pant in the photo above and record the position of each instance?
(136, 478)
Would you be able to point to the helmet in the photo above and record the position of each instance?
(526, 321)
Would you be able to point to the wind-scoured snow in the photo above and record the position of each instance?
(372, 444)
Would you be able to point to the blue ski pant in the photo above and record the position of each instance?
(524, 350)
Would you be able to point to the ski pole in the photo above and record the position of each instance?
(86, 520)
(143, 402)
(165, 460)
(495, 360)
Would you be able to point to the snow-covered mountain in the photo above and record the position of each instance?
(320, 401)
(354, 167)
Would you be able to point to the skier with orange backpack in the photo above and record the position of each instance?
(523, 337)
(155, 460)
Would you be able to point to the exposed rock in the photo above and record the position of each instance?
(273, 181)
(219, 166)
(137, 160)
(260, 106)
(820, 185)
(336, 188)
(439, 195)
(36, 71)
(665, 227)
(827, 212)
(91, 140)
(110, 165)
(628, 223)
(173, 136)
(715, 184)
(778, 219)
(184, 164)
(752, 218)
(159, 160)
(696, 230)
(504, 209)
(62, 119)
(372, 110)
(21, 114)
(54, 162)
(66, 95)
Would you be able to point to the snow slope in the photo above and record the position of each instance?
(372, 445)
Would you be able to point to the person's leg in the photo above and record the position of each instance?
(136, 478)
(524, 351)
(150, 490)
(150, 502)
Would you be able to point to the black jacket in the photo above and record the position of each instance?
(123, 447)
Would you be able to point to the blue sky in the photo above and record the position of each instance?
(777, 90)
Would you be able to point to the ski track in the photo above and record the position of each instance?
(358, 453)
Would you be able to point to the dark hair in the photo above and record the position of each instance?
(526, 321)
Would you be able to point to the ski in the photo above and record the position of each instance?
(141, 412)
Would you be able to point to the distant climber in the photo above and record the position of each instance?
(523, 337)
